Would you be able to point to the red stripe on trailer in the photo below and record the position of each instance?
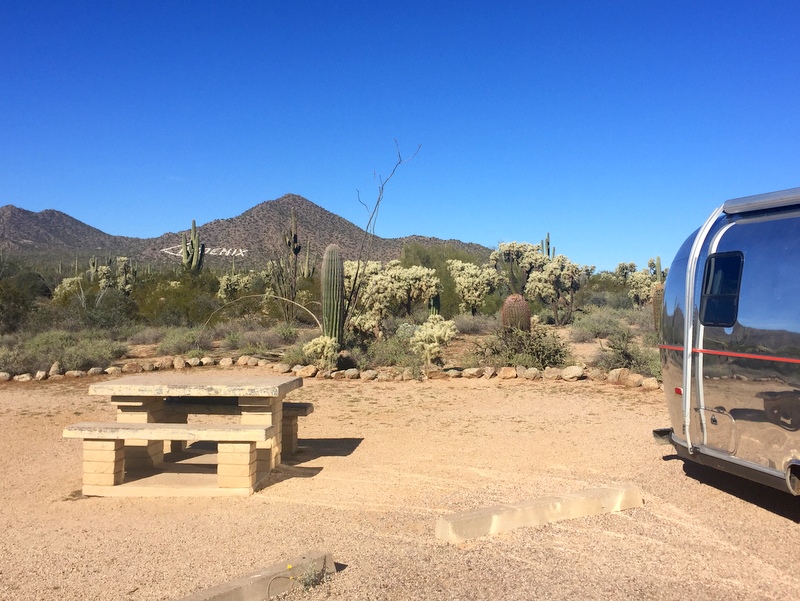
(731, 354)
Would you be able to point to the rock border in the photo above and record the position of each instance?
(571, 373)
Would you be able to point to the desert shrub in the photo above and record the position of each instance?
(622, 351)
(19, 290)
(178, 341)
(74, 350)
(11, 359)
(196, 353)
(147, 335)
(538, 348)
(604, 290)
(232, 340)
(474, 325)
(294, 355)
(85, 307)
(641, 317)
(184, 300)
(394, 351)
(597, 322)
(285, 332)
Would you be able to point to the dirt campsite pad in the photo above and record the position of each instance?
(380, 463)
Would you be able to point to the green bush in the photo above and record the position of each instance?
(19, 291)
(286, 333)
(538, 348)
(604, 290)
(74, 350)
(178, 341)
(597, 322)
(642, 317)
(232, 340)
(294, 355)
(147, 335)
(183, 300)
(475, 325)
(394, 351)
(622, 351)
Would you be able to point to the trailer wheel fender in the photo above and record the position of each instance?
(793, 477)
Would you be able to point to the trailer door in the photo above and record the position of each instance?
(748, 340)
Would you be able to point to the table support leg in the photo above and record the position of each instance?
(143, 453)
(236, 465)
(268, 452)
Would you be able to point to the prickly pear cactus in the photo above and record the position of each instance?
(516, 314)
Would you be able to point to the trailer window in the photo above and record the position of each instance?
(719, 303)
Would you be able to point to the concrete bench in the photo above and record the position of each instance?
(104, 457)
(291, 411)
(177, 408)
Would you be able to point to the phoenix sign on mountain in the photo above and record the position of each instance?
(221, 251)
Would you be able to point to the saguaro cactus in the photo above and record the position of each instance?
(192, 252)
(548, 252)
(333, 293)
(516, 313)
(658, 295)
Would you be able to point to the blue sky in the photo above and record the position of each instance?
(615, 126)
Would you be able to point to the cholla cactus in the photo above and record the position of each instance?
(640, 287)
(67, 288)
(431, 336)
(556, 285)
(516, 261)
(409, 285)
(322, 350)
(103, 277)
(230, 285)
(473, 283)
(126, 275)
(391, 289)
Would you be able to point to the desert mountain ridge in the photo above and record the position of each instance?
(249, 238)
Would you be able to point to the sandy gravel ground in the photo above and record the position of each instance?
(382, 462)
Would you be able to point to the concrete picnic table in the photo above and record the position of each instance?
(169, 397)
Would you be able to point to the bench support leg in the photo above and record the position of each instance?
(289, 435)
(173, 417)
(268, 452)
(103, 462)
(236, 465)
(143, 453)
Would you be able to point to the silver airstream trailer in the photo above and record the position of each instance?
(730, 341)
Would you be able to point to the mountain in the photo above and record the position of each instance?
(50, 232)
(250, 238)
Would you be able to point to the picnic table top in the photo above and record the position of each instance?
(216, 384)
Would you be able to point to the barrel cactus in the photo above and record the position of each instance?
(333, 293)
(516, 313)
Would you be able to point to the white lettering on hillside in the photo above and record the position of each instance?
(220, 251)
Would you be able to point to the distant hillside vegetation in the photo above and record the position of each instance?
(56, 236)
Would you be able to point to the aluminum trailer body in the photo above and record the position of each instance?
(730, 341)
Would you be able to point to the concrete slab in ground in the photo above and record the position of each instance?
(458, 527)
(308, 569)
